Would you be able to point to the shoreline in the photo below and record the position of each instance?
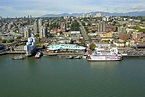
(64, 54)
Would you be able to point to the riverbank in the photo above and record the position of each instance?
(73, 54)
(123, 52)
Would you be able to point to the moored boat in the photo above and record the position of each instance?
(69, 57)
(18, 57)
(78, 57)
(38, 55)
(105, 53)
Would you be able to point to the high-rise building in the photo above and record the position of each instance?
(40, 24)
(105, 18)
(21, 30)
(101, 27)
(30, 46)
(27, 32)
(43, 32)
(35, 27)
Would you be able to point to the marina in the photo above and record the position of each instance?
(47, 52)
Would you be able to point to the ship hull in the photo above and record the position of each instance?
(38, 55)
(104, 58)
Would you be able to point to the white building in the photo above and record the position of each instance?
(105, 18)
(43, 32)
(27, 32)
(30, 46)
(35, 27)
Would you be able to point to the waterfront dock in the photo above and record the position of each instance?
(12, 52)
(62, 54)
(2, 53)
(129, 53)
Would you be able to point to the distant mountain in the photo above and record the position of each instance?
(136, 13)
(63, 14)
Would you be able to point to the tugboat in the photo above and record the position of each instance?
(38, 55)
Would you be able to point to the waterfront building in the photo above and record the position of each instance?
(30, 46)
(65, 47)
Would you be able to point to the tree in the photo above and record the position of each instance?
(37, 35)
(61, 33)
(11, 40)
(4, 41)
(75, 26)
(92, 46)
(83, 24)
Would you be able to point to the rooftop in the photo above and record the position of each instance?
(65, 46)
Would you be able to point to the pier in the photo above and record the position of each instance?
(12, 52)
(62, 54)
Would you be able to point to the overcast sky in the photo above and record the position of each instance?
(13, 8)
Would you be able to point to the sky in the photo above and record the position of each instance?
(19, 8)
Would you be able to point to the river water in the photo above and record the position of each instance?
(60, 77)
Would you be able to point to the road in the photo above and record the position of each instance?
(83, 32)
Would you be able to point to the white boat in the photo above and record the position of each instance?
(18, 57)
(69, 57)
(105, 53)
(78, 57)
(84, 56)
(38, 55)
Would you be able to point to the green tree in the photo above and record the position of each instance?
(4, 41)
(92, 46)
(37, 35)
(75, 26)
(11, 40)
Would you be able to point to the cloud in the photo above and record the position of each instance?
(6, 8)
(41, 7)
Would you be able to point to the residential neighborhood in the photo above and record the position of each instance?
(87, 29)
